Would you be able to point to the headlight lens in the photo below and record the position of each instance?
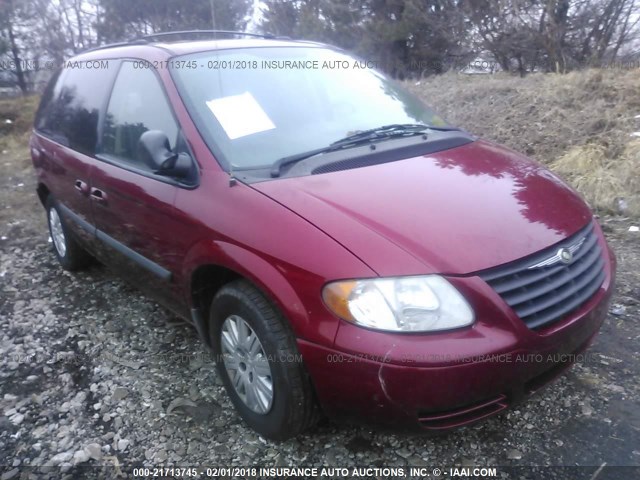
(405, 304)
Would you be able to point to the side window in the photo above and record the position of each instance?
(137, 104)
(43, 121)
(71, 107)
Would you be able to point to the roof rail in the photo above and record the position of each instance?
(116, 44)
(213, 33)
(180, 33)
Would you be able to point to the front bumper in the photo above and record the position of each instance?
(454, 378)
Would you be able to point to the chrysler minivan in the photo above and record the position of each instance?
(342, 249)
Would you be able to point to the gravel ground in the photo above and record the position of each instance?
(92, 373)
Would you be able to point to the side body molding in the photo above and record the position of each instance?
(141, 260)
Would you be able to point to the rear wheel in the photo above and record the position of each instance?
(66, 248)
(257, 359)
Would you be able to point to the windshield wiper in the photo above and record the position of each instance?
(357, 139)
(396, 129)
(284, 161)
(385, 131)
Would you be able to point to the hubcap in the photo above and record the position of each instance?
(57, 233)
(246, 364)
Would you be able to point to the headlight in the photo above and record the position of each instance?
(404, 304)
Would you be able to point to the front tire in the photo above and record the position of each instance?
(68, 251)
(260, 367)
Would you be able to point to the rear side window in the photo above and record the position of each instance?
(44, 117)
(70, 114)
(137, 104)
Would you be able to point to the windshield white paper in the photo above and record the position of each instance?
(240, 115)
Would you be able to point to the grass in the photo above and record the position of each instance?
(609, 183)
(16, 119)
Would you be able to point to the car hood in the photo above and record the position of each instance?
(456, 211)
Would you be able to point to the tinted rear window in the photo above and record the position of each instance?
(70, 110)
(43, 116)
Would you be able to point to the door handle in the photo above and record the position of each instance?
(82, 187)
(98, 195)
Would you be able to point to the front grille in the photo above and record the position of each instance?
(541, 289)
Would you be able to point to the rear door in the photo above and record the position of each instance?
(133, 207)
(67, 132)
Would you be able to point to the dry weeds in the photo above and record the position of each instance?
(16, 119)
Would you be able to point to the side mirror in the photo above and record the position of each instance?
(154, 150)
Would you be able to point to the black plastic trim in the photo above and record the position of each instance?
(82, 223)
(378, 157)
(127, 165)
(545, 294)
(519, 265)
(141, 260)
(200, 324)
(556, 313)
(552, 282)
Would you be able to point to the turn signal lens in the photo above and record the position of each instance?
(336, 296)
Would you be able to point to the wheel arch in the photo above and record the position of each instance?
(206, 280)
(43, 193)
(211, 265)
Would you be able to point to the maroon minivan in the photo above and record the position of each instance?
(340, 247)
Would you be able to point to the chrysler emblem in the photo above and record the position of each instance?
(565, 255)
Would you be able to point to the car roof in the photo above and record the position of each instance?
(154, 46)
(181, 48)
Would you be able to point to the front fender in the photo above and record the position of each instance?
(309, 319)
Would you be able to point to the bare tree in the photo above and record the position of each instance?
(553, 35)
(11, 16)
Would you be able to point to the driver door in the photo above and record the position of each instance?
(133, 207)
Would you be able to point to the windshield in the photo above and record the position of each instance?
(255, 106)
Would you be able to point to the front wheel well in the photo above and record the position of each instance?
(43, 193)
(206, 280)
